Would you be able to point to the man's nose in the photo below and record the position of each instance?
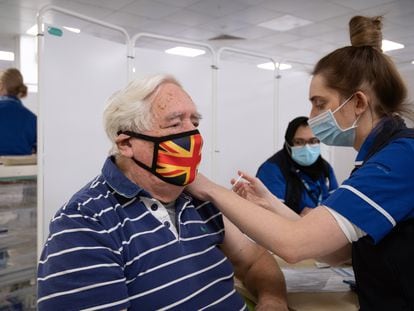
(189, 125)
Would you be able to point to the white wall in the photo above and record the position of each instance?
(77, 75)
(408, 76)
(8, 44)
(245, 114)
(293, 99)
(30, 101)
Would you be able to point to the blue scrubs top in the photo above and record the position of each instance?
(18, 127)
(272, 177)
(381, 192)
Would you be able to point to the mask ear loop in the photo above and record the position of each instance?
(354, 124)
(343, 104)
(356, 121)
(155, 157)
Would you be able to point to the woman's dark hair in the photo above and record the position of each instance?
(363, 65)
(293, 127)
(11, 80)
(289, 168)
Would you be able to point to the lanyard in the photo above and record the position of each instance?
(316, 199)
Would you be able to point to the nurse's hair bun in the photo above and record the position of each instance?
(366, 31)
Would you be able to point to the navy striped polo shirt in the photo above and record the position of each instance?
(108, 251)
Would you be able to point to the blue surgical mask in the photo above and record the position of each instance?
(325, 127)
(306, 155)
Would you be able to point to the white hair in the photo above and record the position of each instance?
(129, 109)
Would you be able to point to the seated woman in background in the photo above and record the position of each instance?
(297, 174)
(18, 129)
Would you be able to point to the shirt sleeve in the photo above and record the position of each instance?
(272, 177)
(352, 232)
(81, 266)
(333, 183)
(380, 193)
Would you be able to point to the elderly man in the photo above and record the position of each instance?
(132, 239)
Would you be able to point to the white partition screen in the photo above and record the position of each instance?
(245, 117)
(293, 99)
(194, 74)
(78, 72)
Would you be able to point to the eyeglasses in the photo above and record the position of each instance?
(303, 142)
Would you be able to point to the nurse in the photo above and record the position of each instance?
(358, 99)
(18, 129)
(297, 174)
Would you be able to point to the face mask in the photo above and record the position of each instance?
(325, 127)
(176, 157)
(306, 155)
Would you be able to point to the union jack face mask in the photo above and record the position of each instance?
(176, 157)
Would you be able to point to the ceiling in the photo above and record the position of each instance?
(201, 20)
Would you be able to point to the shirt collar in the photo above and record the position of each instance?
(183, 198)
(366, 145)
(125, 187)
(119, 182)
(10, 98)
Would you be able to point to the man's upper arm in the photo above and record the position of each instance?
(241, 251)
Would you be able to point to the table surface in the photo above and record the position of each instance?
(17, 170)
(314, 301)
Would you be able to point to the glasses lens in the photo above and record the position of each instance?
(299, 142)
(303, 142)
(314, 141)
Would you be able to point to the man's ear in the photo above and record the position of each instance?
(124, 145)
(362, 102)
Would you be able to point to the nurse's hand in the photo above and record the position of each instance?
(200, 187)
(253, 189)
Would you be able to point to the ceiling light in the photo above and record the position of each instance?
(75, 30)
(285, 22)
(8, 56)
(271, 66)
(184, 51)
(388, 45)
